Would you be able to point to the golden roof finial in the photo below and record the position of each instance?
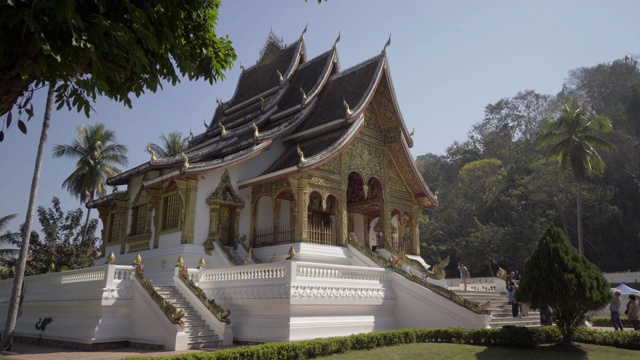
(137, 260)
(180, 262)
(304, 94)
(186, 160)
(111, 258)
(302, 159)
(384, 50)
(303, 32)
(280, 75)
(335, 43)
(348, 109)
(153, 153)
(224, 129)
(256, 133)
(201, 263)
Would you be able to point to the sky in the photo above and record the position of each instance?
(448, 60)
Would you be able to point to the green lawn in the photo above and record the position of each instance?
(436, 351)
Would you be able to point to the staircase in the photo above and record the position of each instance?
(199, 333)
(500, 309)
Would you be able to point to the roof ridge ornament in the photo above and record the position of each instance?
(301, 154)
(280, 77)
(335, 43)
(153, 153)
(412, 132)
(256, 132)
(186, 164)
(304, 32)
(262, 104)
(241, 67)
(348, 109)
(384, 50)
(223, 130)
(304, 94)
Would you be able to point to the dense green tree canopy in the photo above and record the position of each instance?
(111, 48)
(557, 278)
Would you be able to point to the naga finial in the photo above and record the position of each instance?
(335, 43)
(348, 109)
(205, 125)
(412, 132)
(301, 154)
(384, 50)
(153, 153)
(219, 102)
(223, 129)
(304, 94)
(256, 133)
(191, 135)
(303, 32)
(186, 160)
(280, 75)
(241, 67)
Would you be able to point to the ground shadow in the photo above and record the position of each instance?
(573, 352)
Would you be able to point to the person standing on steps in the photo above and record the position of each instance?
(615, 311)
(512, 298)
(464, 274)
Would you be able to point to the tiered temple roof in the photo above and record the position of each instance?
(310, 106)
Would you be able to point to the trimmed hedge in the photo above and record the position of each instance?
(606, 321)
(520, 337)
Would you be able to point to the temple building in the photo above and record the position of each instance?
(304, 152)
(293, 216)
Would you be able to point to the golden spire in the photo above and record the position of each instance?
(186, 160)
(302, 159)
(153, 153)
(111, 258)
(280, 75)
(292, 253)
(348, 109)
(180, 262)
(224, 129)
(384, 50)
(256, 133)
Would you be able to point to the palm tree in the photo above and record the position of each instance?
(572, 139)
(171, 144)
(6, 239)
(97, 154)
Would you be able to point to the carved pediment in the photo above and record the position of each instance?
(224, 193)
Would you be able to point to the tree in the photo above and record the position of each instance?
(573, 140)
(557, 278)
(6, 238)
(62, 243)
(105, 48)
(171, 144)
(97, 154)
(16, 290)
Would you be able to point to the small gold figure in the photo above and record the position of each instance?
(153, 153)
(180, 262)
(201, 263)
(137, 260)
(292, 254)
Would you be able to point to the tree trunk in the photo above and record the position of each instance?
(579, 212)
(16, 292)
(86, 225)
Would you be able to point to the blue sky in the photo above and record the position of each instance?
(448, 60)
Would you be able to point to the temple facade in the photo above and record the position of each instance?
(304, 152)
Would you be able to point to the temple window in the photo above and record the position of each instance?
(171, 212)
(114, 227)
(139, 219)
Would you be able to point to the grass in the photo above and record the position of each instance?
(437, 351)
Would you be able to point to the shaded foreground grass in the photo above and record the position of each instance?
(436, 351)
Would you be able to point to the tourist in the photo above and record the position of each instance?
(615, 311)
(512, 298)
(464, 274)
(633, 312)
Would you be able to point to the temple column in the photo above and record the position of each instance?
(301, 190)
(155, 196)
(187, 189)
(415, 230)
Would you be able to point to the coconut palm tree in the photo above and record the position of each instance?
(572, 139)
(97, 153)
(171, 144)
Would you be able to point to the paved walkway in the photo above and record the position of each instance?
(20, 351)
